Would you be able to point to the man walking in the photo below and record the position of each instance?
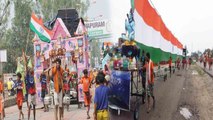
(31, 89)
(31, 92)
(43, 81)
(149, 81)
(170, 66)
(86, 81)
(57, 73)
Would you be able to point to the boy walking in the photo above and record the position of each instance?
(150, 81)
(19, 98)
(43, 81)
(101, 99)
(31, 88)
(86, 81)
(31, 92)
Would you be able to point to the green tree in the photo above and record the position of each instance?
(19, 37)
(95, 52)
(4, 13)
(50, 7)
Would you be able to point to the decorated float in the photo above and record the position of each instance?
(147, 32)
(72, 49)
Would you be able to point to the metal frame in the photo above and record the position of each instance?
(135, 84)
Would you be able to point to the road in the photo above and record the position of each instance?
(191, 89)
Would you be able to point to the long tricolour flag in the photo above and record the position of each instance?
(36, 25)
(152, 35)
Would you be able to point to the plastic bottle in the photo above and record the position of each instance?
(134, 63)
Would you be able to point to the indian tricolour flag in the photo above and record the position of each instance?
(152, 35)
(36, 25)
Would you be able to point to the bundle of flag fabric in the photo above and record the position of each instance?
(152, 35)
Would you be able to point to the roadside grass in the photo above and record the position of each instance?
(199, 70)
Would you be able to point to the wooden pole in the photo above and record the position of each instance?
(28, 34)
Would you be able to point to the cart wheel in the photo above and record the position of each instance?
(119, 112)
(136, 112)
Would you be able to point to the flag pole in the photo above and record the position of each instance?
(28, 34)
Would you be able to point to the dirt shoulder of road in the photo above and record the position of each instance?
(197, 95)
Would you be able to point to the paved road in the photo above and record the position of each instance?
(167, 95)
(191, 89)
(197, 95)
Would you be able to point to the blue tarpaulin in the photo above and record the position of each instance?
(120, 89)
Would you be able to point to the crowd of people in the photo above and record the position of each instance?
(61, 87)
(206, 59)
(61, 80)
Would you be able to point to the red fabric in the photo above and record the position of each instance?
(19, 102)
(170, 62)
(43, 87)
(19, 98)
(66, 86)
(32, 90)
(20, 95)
(116, 63)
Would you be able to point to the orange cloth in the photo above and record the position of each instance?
(150, 66)
(170, 62)
(1, 86)
(19, 102)
(91, 75)
(86, 81)
(1, 96)
(87, 100)
(58, 78)
(20, 96)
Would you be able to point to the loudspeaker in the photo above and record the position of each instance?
(70, 18)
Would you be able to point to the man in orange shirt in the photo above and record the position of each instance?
(57, 73)
(19, 99)
(86, 81)
(1, 99)
(149, 80)
(178, 63)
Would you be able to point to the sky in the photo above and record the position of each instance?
(190, 21)
(98, 9)
(111, 10)
(118, 11)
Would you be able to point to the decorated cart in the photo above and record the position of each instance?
(72, 50)
(125, 87)
(144, 28)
